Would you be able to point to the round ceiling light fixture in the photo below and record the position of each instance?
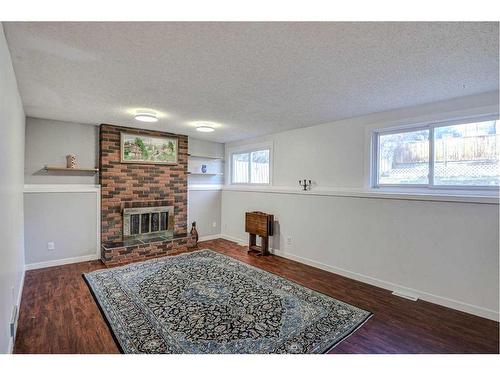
(205, 129)
(146, 116)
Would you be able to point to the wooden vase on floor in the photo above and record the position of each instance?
(194, 234)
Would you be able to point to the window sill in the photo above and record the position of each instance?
(444, 195)
(482, 197)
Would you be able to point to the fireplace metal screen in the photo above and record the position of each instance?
(147, 221)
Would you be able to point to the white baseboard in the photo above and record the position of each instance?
(60, 262)
(234, 239)
(85, 258)
(429, 297)
(406, 294)
(11, 346)
(209, 237)
(18, 302)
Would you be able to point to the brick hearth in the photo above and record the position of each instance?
(117, 253)
(126, 185)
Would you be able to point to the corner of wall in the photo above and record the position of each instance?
(12, 131)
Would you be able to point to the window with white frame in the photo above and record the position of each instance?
(251, 166)
(459, 154)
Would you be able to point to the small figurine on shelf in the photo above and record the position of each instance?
(194, 234)
(71, 161)
(203, 168)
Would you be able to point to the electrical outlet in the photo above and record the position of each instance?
(289, 241)
(214, 224)
(51, 246)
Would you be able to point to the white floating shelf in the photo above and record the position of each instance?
(206, 157)
(205, 174)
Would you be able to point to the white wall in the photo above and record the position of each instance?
(67, 218)
(60, 207)
(11, 194)
(49, 141)
(337, 154)
(446, 252)
(204, 207)
(204, 193)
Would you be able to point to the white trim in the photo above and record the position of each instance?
(67, 188)
(18, 302)
(406, 294)
(248, 148)
(234, 239)
(85, 258)
(10, 348)
(432, 116)
(432, 162)
(60, 262)
(21, 288)
(214, 157)
(204, 187)
(414, 195)
(439, 300)
(209, 237)
(422, 119)
(61, 188)
(443, 301)
(375, 134)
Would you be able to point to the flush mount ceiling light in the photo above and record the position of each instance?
(204, 126)
(146, 117)
(205, 129)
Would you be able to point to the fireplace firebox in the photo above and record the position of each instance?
(145, 222)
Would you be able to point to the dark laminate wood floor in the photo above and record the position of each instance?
(59, 315)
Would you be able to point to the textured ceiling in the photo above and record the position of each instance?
(251, 78)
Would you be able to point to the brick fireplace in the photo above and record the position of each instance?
(132, 189)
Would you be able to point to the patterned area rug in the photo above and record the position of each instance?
(206, 302)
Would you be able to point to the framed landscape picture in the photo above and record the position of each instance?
(147, 149)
